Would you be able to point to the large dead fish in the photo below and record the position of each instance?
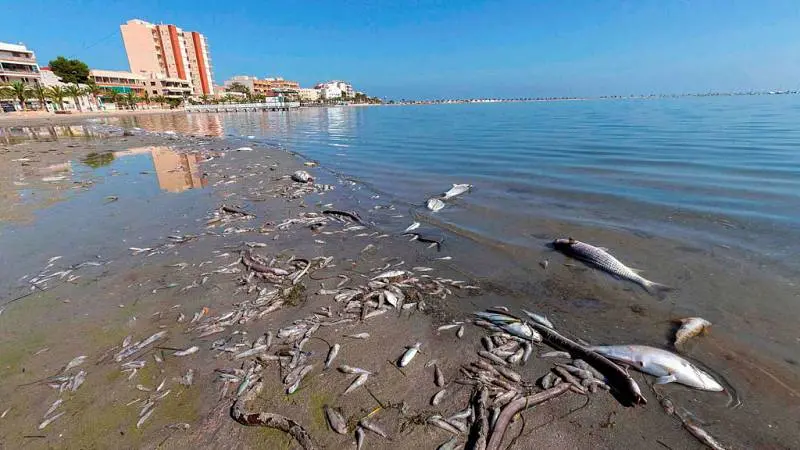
(434, 204)
(456, 190)
(603, 260)
(667, 366)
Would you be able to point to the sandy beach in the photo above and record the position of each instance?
(208, 244)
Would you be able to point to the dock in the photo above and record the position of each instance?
(234, 107)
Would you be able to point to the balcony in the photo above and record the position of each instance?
(5, 57)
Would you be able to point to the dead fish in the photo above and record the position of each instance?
(135, 348)
(332, 355)
(437, 398)
(357, 383)
(358, 336)
(437, 421)
(456, 190)
(2, 416)
(47, 422)
(547, 381)
(508, 373)
(422, 269)
(187, 352)
(448, 445)
(555, 354)
(412, 227)
(409, 355)
(53, 407)
(438, 376)
(690, 327)
(253, 351)
(335, 420)
(144, 417)
(702, 435)
(390, 274)
(603, 260)
(76, 361)
(667, 366)
(541, 320)
(460, 332)
(293, 388)
(301, 176)
(351, 370)
(434, 204)
(492, 357)
(371, 426)
(449, 326)
(359, 438)
(186, 379)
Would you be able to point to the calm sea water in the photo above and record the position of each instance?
(719, 170)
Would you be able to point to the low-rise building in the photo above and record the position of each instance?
(335, 89)
(82, 103)
(169, 87)
(17, 63)
(119, 81)
(309, 95)
(270, 87)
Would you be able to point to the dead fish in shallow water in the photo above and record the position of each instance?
(603, 260)
(357, 383)
(53, 407)
(702, 435)
(76, 361)
(409, 355)
(456, 190)
(542, 320)
(390, 274)
(412, 227)
(434, 204)
(187, 352)
(667, 366)
(47, 422)
(691, 327)
(335, 420)
(332, 355)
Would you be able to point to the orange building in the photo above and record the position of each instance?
(169, 51)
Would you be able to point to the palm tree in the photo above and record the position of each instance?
(204, 98)
(74, 91)
(19, 91)
(57, 94)
(146, 97)
(40, 92)
(95, 91)
(114, 97)
(131, 99)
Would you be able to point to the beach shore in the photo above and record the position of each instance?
(174, 265)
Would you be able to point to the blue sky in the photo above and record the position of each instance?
(460, 48)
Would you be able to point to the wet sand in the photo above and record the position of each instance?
(140, 294)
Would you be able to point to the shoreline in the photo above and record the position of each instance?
(255, 173)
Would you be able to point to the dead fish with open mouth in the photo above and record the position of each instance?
(600, 258)
(456, 190)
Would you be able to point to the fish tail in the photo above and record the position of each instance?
(657, 289)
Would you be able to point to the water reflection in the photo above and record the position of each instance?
(15, 135)
(177, 172)
(197, 124)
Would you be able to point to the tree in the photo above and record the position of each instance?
(146, 97)
(74, 91)
(70, 70)
(160, 99)
(238, 87)
(19, 91)
(57, 94)
(114, 97)
(204, 98)
(40, 92)
(95, 91)
(131, 99)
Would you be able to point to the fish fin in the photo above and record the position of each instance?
(636, 271)
(657, 289)
(666, 379)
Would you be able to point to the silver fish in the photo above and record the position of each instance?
(357, 383)
(359, 438)
(47, 422)
(350, 369)
(667, 366)
(390, 274)
(541, 320)
(187, 352)
(690, 327)
(438, 376)
(135, 348)
(76, 361)
(448, 445)
(253, 351)
(456, 190)
(409, 355)
(434, 204)
(437, 421)
(603, 260)
(358, 336)
(332, 355)
(449, 326)
(412, 227)
(437, 398)
(372, 426)
(53, 407)
(144, 417)
(335, 420)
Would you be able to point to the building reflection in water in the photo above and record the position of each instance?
(176, 172)
(14, 135)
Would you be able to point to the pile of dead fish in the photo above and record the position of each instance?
(438, 203)
(68, 380)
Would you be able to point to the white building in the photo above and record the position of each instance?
(81, 103)
(17, 63)
(330, 89)
(309, 94)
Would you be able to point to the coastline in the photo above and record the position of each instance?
(138, 283)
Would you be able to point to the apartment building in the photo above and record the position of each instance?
(119, 81)
(17, 63)
(169, 51)
(309, 94)
(269, 87)
(335, 89)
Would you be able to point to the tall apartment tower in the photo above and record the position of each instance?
(169, 51)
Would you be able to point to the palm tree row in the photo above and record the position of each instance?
(21, 92)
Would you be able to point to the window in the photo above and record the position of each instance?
(152, 83)
(155, 91)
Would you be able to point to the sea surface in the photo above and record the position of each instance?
(719, 170)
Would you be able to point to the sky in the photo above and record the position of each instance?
(451, 49)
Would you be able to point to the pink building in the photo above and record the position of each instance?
(169, 51)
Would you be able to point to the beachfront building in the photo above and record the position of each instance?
(82, 103)
(309, 95)
(119, 81)
(268, 87)
(169, 51)
(17, 63)
(169, 87)
(335, 89)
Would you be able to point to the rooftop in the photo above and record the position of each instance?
(14, 47)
